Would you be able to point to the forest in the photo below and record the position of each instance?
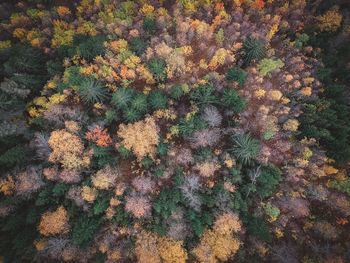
(175, 131)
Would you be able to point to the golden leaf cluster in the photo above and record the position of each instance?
(330, 21)
(219, 244)
(54, 223)
(152, 248)
(68, 150)
(141, 137)
(7, 185)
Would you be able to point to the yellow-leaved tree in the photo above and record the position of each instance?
(152, 248)
(219, 244)
(54, 223)
(141, 137)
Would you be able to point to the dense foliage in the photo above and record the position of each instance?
(174, 131)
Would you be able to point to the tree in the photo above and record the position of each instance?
(267, 65)
(253, 49)
(141, 137)
(151, 248)
(236, 74)
(92, 91)
(330, 21)
(219, 244)
(245, 148)
(157, 67)
(54, 223)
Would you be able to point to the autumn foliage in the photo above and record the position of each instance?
(54, 223)
(174, 131)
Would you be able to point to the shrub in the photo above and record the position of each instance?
(92, 91)
(158, 100)
(246, 148)
(254, 49)
(236, 74)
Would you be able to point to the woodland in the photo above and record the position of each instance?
(156, 131)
